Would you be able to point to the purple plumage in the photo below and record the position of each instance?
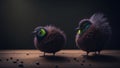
(93, 34)
(49, 39)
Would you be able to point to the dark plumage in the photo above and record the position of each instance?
(49, 39)
(93, 33)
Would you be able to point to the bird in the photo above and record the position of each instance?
(49, 39)
(93, 33)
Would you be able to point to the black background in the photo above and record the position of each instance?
(18, 18)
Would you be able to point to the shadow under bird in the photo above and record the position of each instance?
(49, 39)
(93, 33)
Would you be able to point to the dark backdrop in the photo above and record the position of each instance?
(18, 18)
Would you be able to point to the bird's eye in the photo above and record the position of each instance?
(79, 31)
(87, 26)
(42, 32)
(84, 26)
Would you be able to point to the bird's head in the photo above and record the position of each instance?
(83, 27)
(40, 32)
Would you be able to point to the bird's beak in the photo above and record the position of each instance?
(77, 28)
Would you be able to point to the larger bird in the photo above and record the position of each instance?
(49, 39)
(93, 33)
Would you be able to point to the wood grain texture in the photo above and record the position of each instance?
(62, 59)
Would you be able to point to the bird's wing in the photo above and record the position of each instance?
(101, 22)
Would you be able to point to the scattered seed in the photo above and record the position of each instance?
(37, 63)
(11, 58)
(17, 59)
(74, 58)
(14, 61)
(20, 65)
(7, 59)
(27, 54)
(63, 53)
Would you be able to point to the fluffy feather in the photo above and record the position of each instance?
(96, 36)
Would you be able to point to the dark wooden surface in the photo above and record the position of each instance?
(62, 59)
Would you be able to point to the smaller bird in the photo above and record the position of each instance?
(93, 33)
(49, 39)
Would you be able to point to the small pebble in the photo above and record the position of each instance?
(63, 53)
(27, 54)
(56, 66)
(20, 65)
(74, 58)
(7, 59)
(37, 63)
(11, 58)
(14, 61)
(17, 59)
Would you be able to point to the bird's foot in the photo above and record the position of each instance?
(44, 54)
(53, 54)
(87, 53)
(98, 52)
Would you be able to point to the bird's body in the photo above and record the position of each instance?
(53, 39)
(93, 33)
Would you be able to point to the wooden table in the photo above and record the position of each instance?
(62, 59)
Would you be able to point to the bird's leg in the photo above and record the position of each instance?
(54, 54)
(87, 53)
(98, 52)
(44, 54)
